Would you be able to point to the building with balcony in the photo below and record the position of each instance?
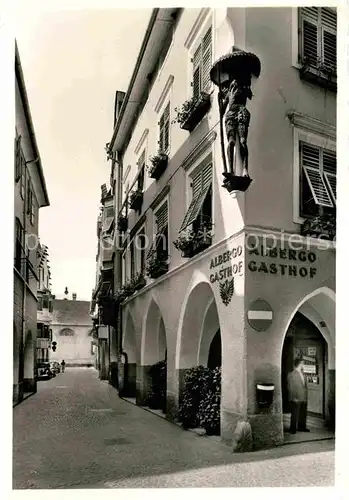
(72, 332)
(44, 314)
(206, 275)
(30, 194)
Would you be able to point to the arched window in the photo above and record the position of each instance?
(66, 332)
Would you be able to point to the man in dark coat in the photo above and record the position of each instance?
(298, 395)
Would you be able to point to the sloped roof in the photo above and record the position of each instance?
(71, 312)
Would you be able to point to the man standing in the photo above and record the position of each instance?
(298, 395)
(63, 365)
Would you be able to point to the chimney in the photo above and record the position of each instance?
(74, 296)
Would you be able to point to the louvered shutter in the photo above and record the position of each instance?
(310, 157)
(161, 133)
(201, 185)
(18, 162)
(166, 127)
(310, 43)
(330, 171)
(329, 38)
(206, 61)
(197, 72)
(161, 218)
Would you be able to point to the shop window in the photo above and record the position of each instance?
(164, 130)
(202, 61)
(318, 36)
(199, 213)
(318, 180)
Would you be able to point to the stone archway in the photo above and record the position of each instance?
(310, 333)
(210, 348)
(153, 367)
(127, 369)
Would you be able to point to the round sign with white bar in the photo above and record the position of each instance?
(260, 315)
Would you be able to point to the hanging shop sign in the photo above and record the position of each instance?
(282, 261)
(223, 270)
(260, 315)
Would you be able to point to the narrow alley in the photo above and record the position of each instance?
(85, 436)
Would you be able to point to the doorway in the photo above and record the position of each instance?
(303, 339)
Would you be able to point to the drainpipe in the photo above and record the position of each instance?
(21, 352)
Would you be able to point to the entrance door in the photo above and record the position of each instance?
(312, 352)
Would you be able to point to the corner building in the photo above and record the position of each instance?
(258, 289)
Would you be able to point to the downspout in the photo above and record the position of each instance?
(22, 344)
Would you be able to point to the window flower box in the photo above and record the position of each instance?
(158, 165)
(321, 226)
(321, 74)
(194, 242)
(156, 267)
(138, 282)
(124, 292)
(122, 223)
(192, 111)
(136, 199)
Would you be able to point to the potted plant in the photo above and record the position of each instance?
(138, 281)
(321, 226)
(184, 243)
(194, 241)
(191, 396)
(158, 165)
(136, 199)
(156, 267)
(210, 406)
(122, 223)
(192, 111)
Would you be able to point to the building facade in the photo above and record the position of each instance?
(44, 315)
(196, 265)
(72, 331)
(30, 194)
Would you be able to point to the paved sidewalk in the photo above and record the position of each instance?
(77, 433)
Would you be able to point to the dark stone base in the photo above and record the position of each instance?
(331, 419)
(171, 407)
(17, 394)
(29, 385)
(113, 374)
(267, 430)
(235, 431)
(143, 384)
(130, 380)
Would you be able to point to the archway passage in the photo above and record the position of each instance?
(310, 336)
(127, 367)
(153, 369)
(215, 352)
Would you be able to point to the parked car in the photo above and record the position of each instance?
(55, 367)
(44, 371)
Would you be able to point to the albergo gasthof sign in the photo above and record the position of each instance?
(228, 270)
(278, 260)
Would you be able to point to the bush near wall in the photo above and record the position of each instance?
(157, 395)
(201, 398)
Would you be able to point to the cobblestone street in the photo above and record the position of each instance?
(77, 433)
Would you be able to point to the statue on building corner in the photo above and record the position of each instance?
(232, 74)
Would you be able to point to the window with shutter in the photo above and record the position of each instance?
(318, 179)
(18, 160)
(319, 37)
(161, 239)
(202, 61)
(201, 189)
(141, 167)
(164, 130)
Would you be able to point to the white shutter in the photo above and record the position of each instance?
(311, 165)
(197, 71)
(206, 61)
(201, 184)
(332, 184)
(161, 217)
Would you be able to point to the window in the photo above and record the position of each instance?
(202, 61)
(45, 302)
(141, 170)
(50, 306)
(161, 241)
(23, 174)
(132, 259)
(141, 245)
(318, 180)
(199, 213)
(109, 212)
(164, 130)
(18, 159)
(19, 254)
(39, 303)
(318, 37)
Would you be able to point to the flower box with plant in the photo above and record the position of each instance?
(194, 241)
(156, 266)
(125, 291)
(192, 396)
(192, 111)
(138, 281)
(158, 165)
(321, 226)
(122, 223)
(157, 394)
(136, 199)
(318, 72)
(210, 406)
